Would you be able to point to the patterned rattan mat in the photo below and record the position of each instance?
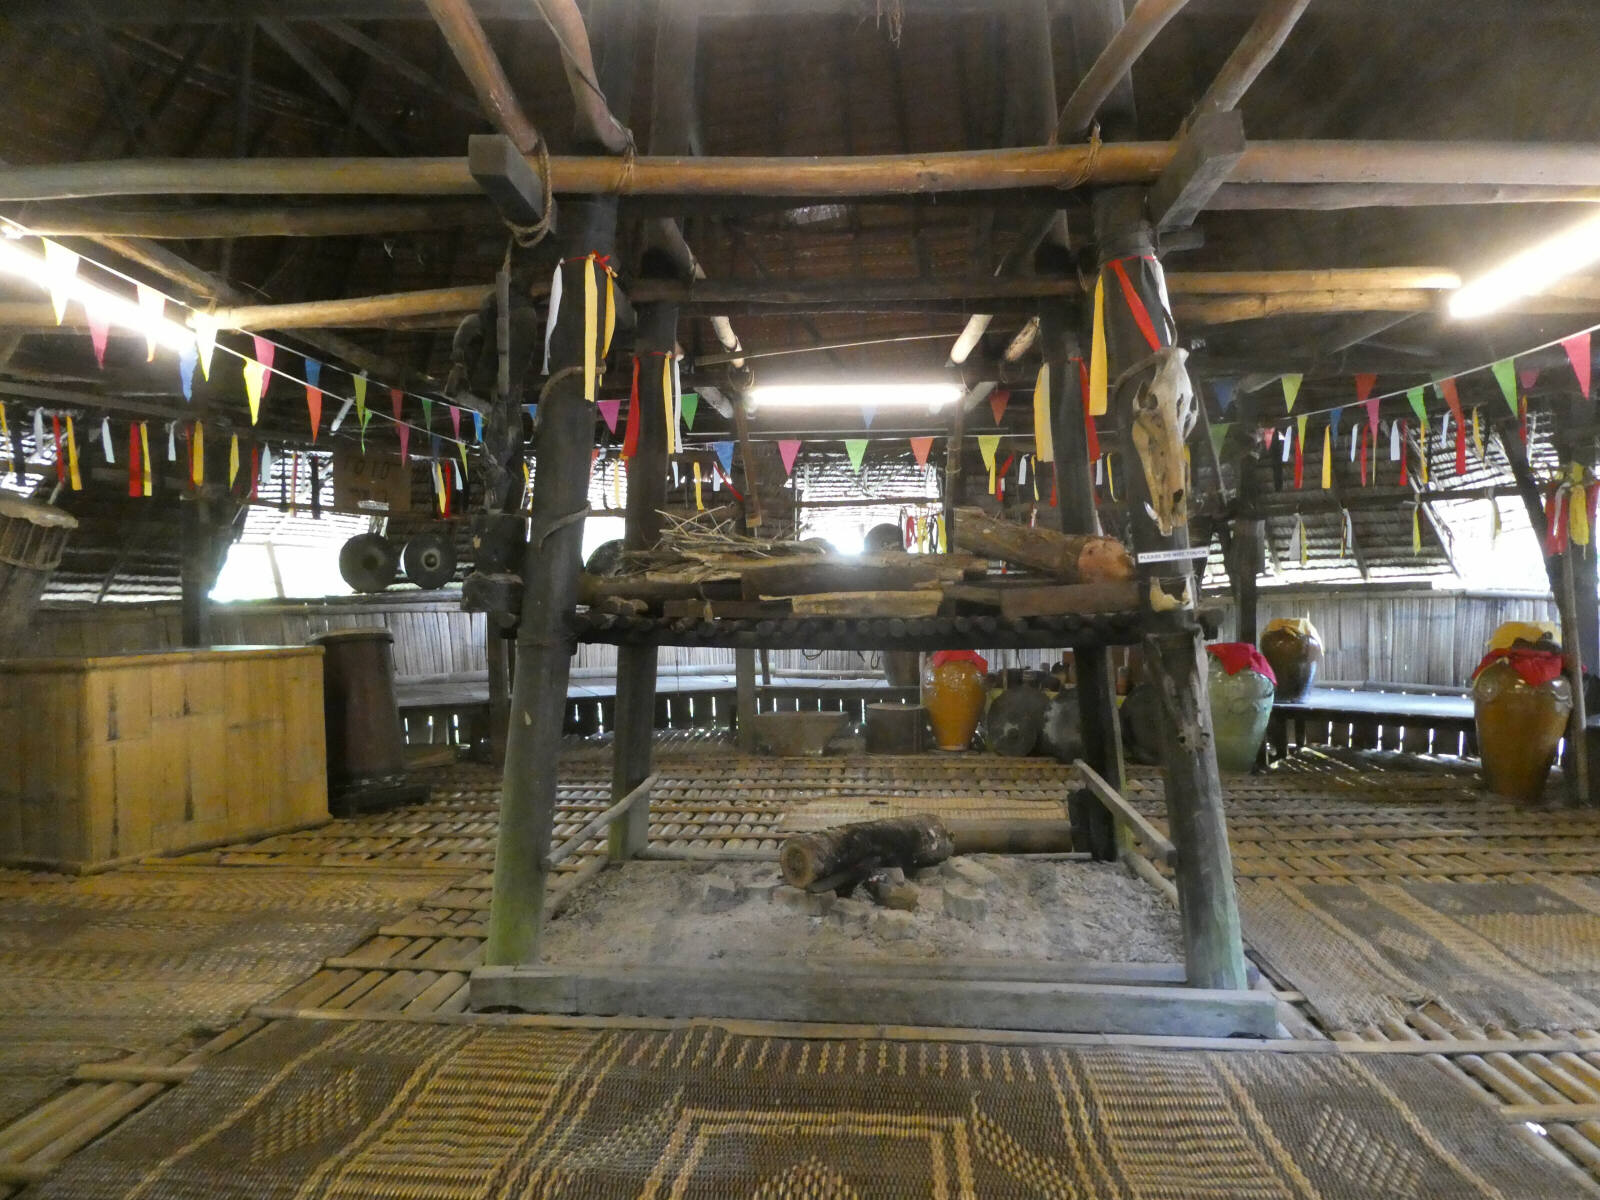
(1520, 955)
(94, 968)
(313, 1109)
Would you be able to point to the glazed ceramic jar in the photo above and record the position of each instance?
(1521, 702)
(953, 692)
(1295, 652)
(1241, 684)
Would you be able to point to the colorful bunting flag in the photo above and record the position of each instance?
(856, 448)
(362, 415)
(699, 498)
(197, 455)
(1452, 397)
(255, 380)
(1044, 441)
(868, 411)
(397, 403)
(265, 351)
(233, 459)
(187, 358)
(920, 446)
(690, 405)
(1577, 348)
(314, 396)
(105, 440)
(153, 305)
(72, 457)
(988, 443)
(1419, 406)
(205, 341)
(99, 333)
(1327, 457)
(1098, 380)
(1219, 435)
(60, 269)
(1300, 451)
(1505, 374)
(1527, 377)
(610, 410)
(724, 452)
(788, 448)
(1477, 437)
(1000, 397)
(135, 483)
(1291, 390)
(1223, 390)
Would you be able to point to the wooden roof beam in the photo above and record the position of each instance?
(1148, 18)
(328, 81)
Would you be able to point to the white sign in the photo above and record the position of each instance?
(1154, 556)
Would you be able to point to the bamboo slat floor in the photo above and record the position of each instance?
(1315, 821)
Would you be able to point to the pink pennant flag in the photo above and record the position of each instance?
(609, 409)
(99, 330)
(1364, 386)
(920, 447)
(396, 400)
(1527, 377)
(264, 352)
(998, 399)
(455, 422)
(787, 450)
(1577, 348)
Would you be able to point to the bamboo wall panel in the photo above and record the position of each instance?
(110, 758)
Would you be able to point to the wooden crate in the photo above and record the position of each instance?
(110, 758)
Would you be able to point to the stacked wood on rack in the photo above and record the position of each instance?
(1048, 573)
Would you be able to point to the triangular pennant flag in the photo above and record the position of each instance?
(1577, 348)
(988, 443)
(187, 358)
(609, 409)
(868, 411)
(1477, 436)
(1527, 377)
(1327, 457)
(1000, 397)
(99, 331)
(1219, 434)
(477, 426)
(1452, 397)
(1505, 374)
(1223, 390)
(1291, 390)
(60, 268)
(856, 448)
(265, 350)
(699, 497)
(787, 449)
(1044, 440)
(1099, 380)
(397, 403)
(172, 441)
(427, 412)
(920, 446)
(689, 404)
(1364, 386)
(455, 421)
(1297, 541)
(314, 395)
(362, 415)
(1335, 419)
(724, 452)
(153, 305)
(1418, 406)
(1300, 451)
(1416, 529)
(205, 341)
(105, 440)
(233, 459)
(255, 378)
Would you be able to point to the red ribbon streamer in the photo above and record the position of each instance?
(1366, 439)
(1299, 460)
(1402, 454)
(135, 461)
(1091, 435)
(1141, 315)
(61, 462)
(630, 440)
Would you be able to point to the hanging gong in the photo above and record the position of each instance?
(430, 560)
(606, 558)
(368, 562)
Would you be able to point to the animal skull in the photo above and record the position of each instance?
(1164, 412)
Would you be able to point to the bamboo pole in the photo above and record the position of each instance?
(192, 224)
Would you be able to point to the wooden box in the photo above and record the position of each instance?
(110, 758)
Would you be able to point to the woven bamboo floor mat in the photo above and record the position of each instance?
(96, 967)
(1521, 955)
(321, 1109)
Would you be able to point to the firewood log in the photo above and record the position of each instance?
(1070, 557)
(848, 853)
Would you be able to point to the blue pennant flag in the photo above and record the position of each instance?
(725, 456)
(187, 357)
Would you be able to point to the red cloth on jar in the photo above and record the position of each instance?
(1536, 667)
(940, 657)
(1238, 656)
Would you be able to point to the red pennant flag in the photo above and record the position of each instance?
(1364, 386)
(447, 472)
(998, 399)
(396, 401)
(135, 461)
(455, 421)
(1055, 472)
(1556, 521)
(630, 441)
(1447, 388)
(1577, 348)
(314, 409)
(99, 330)
(1527, 377)
(1267, 435)
(919, 449)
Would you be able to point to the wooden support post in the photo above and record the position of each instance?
(551, 566)
(636, 665)
(953, 446)
(1246, 547)
(197, 572)
(1213, 950)
(1206, 155)
(1097, 693)
(744, 677)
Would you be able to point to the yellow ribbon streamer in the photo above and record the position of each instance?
(1416, 530)
(1577, 507)
(233, 459)
(1300, 536)
(668, 403)
(1327, 457)
(611, 311)
(144, 454)
(72, 458)
(197, 455)
(1477, 435)
(988, 443)
(1098, 381)
(590, 328)
(699, 501)
(1044, 443)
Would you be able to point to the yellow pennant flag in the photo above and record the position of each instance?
(205, 341)
(699, 501)
(461, 449)
(527, 484)
(72, 458)
(233, 459)
(154, 307)
(988, 443)
(611, 311)
(438, 484)
(1098, 381)
(1416, 530)
(590, 327)
(60, 269)
(255, 375)
(1044, 442)
(1327, 457)
(144, 455)
(197, 455)
(1477, 435)
(1577, 508)
(1300, 536)
(1111, 483)
(669, 405)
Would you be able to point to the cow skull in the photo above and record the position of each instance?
(1164, 413)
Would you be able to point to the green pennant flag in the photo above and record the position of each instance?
(1291, 391)
(1421, 409)
(690, 404)
(1219, 434)
(427, 413)
(855, 448)
(1505, 374)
